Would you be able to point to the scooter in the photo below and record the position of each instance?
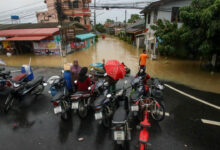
(60, 97)
(83, 100)
(20, 89)
(120, 121)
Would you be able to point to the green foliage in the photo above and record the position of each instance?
(199, 34)
(170, 35)
(100, 28)
(201, 26)
(109, 20)
(134, 18)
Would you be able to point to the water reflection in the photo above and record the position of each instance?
(185, 72)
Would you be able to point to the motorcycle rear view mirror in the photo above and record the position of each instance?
(106, 84)
(109, 95)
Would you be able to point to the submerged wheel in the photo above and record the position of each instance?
(83, 111)
(158, 111)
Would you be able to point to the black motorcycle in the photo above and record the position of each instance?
(120, 121)
(60, 97)
(20, 89)
(83, 100)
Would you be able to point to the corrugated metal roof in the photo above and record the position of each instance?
(27, 38)
(85, 36)
(29, 32)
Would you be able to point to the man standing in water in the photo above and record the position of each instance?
(142, 60)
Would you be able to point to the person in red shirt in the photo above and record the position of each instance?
(83, 81)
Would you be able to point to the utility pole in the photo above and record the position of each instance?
(125, 20)
(95, 15)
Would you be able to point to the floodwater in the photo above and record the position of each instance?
(181, 71)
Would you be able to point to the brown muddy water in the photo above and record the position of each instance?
(181, 71)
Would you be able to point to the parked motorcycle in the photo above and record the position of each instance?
(61, 97)
(83, 100)
(104, 107)
(120, 120)
(20, 89)
(148, 105)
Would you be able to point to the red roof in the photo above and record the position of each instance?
(29, 32)
(27, 38)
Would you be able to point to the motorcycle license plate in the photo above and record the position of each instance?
(119, 135)
(57, 110)
(134, 108)
(75, 105)
(98, 116)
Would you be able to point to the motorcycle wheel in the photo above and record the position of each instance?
(39, 89)
(66, 116)
(106, 121)
(122, 145)
(83, 111)
(8, 103)
(158, 111)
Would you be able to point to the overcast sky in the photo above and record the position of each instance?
(26, 9)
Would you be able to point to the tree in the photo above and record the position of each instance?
(109, 21)
(99, 27)
(169, 35)
(134, 18)
(201, 27)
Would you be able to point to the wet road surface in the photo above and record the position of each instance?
(186, 72)
(32, 125)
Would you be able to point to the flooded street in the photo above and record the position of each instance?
(184, 72)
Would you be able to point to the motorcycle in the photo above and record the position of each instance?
(83, 100)
(147, 105)
(20, 89)
(61, 97)
(120, 121)
(104, 107)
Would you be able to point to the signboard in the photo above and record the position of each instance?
(15, 17)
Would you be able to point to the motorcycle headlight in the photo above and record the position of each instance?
(89, 88)
(16, 85)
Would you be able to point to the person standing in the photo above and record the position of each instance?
(75, 70)
(143, 60)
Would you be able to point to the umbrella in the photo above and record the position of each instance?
(115, 69)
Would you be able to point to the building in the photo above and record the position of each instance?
(43, 38)
(114, 28)
(165, 10)
(75, 10)
(133, 30)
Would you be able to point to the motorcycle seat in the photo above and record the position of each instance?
(33, 82)
(99, 100)
(57, 97)
(120, 115)
(19, 77)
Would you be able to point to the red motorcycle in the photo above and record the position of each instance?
(148, 106)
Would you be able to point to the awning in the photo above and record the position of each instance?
(29, 32)
(27, 38)
(85, 36)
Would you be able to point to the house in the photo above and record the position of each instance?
(115, 28)
(75, 10)
(42, 38)
(133, 30)
(165, 10)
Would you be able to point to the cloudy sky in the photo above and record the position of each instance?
(26, 9)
